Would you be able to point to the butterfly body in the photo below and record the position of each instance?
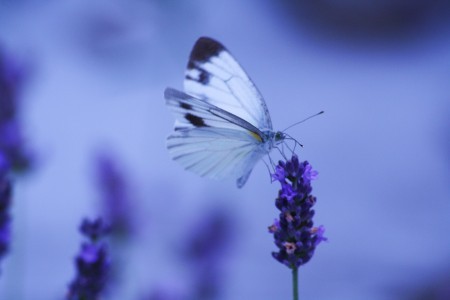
(223, 127)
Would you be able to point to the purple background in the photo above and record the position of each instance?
(98, 70)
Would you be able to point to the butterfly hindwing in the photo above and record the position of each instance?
(214, 76)
(216, 153)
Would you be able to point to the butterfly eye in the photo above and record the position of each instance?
(279, 136)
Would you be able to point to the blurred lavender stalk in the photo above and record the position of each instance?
(92, 263)
(5, 203)
(12, 143)
(206, 253)
(115, 196)
(165, 293)
(116, 210)
(204, 250)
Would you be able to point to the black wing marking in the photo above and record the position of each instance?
(213, 75)
(192, 112)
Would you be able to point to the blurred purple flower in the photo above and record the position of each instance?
(294, 233)
(94, 230)
(12, 144)
(4, 165)
(5, 203)
(115, 196)
(165, 293)
(92, 263)
(206, 251)
(368, 19)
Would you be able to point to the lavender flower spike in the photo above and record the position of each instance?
(294, 232)
(115, 193)
(5, 202)
(206, 251)
(92, 263)
(12, 142)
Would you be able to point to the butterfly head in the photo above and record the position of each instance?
(279, 137)
(275, 137)
(271, 139)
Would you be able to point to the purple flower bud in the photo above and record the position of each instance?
(318, 234)
(92, 263)
(94, 229)
(274, 227)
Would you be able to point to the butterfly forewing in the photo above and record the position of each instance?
(192, 112)
(215, 76)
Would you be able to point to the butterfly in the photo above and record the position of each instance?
(223, 127)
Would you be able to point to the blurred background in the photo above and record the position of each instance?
(88, 80)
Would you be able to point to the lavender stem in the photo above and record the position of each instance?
(295, 283)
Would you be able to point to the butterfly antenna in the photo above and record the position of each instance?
(306, 119)
(295, 141)
(295, 145)
(287, 146)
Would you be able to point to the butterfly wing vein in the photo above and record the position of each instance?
(217, 153)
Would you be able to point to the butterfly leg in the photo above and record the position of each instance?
(269, 169)
(282, 151)
(291, 150)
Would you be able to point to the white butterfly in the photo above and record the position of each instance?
(223, 127)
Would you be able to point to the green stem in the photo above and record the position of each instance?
(295, 282)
